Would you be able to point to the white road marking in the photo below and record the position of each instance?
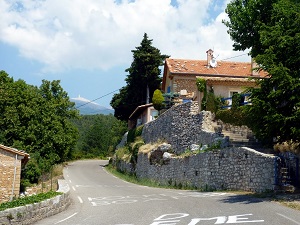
(66, 218)
(73, 188)
(288, 218)
(80, 199)
(70, 181)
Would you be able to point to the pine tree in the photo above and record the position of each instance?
(142, 80)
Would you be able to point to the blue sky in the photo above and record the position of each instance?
(87, 43)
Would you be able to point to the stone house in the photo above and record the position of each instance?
(224, 78)
(141, 115)
(11, 162)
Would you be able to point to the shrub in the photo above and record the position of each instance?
(133, 133)
(213, 102)
(236, 117)
(237, 100)
(158, 100)
(201, 84)
(31, 172)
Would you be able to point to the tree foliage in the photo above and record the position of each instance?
(144, 73)
(37, 120)
(271, 29)
(158, 100)
(98, 135)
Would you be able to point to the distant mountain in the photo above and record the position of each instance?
(86, 107)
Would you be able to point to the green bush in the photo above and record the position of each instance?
(237, 100)
(158, 100)
(237, 117)
(213, 102)
(133, 133)
(32, 172)
(28, 200)
(134, 149)
(201, 84)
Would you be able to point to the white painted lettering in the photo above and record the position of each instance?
(236, 219)
(173, 222)
(220, 220)
(172, 216)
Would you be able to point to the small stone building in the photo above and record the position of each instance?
(11, 162)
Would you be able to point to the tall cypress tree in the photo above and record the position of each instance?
(144, 77)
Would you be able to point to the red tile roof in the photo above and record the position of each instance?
(199, 67)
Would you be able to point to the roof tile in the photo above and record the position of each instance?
(223, 68)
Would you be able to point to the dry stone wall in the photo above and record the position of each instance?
(239, 168)
(226, 168)
(181, 126)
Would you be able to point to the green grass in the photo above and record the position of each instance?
(28, 200)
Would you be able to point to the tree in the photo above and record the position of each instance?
(37, 120)
(142, 80)
(158, 100)
(271, 29)
(99, 135)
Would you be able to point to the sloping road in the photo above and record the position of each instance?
(100, 198)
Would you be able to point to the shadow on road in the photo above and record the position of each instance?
(244, 199)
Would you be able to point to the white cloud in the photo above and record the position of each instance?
(93, 34)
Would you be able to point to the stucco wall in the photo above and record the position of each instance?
(8, 163)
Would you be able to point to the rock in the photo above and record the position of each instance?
(204, 147)
(167, 156)
(194, 147)
(164, 147)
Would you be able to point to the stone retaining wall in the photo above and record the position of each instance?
(34, 212)
(181, 126)
(238, 168)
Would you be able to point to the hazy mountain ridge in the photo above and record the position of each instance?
(86, 107)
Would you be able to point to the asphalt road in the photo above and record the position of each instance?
(100, 198)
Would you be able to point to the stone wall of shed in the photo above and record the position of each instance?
(227, 169)
(181, 126)
(8, 163)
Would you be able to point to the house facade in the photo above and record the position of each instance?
(224, 78)
(141, 115)
(11, 162)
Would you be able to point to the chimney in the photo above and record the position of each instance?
(254, 66)
(209, 56)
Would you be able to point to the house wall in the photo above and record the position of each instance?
(183, 83)
(7, 168)
(220, 90)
